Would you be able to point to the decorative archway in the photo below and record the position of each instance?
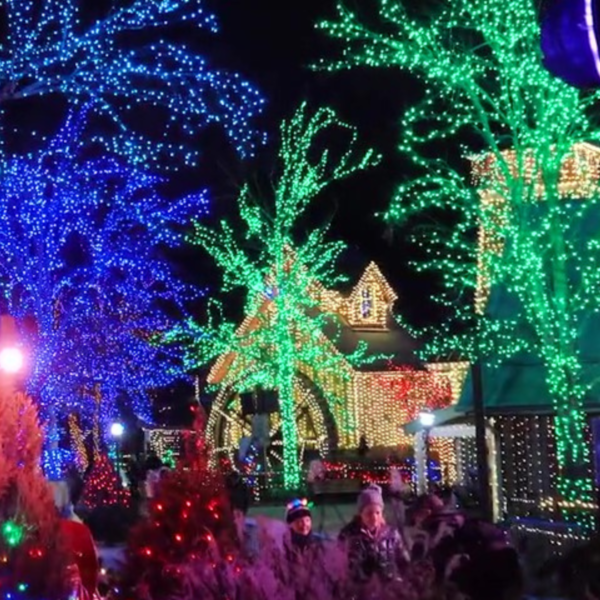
(317, 429)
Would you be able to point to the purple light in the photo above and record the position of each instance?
(589, 21)
(570, 42)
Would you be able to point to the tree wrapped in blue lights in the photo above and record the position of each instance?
(282, 273)
(83, 269)
(116, 64)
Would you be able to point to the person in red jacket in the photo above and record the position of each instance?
(80, 543)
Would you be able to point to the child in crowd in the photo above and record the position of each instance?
(374, 548)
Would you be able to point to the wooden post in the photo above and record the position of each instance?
(483, 474)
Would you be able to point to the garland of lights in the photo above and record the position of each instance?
(482, 67)
(282, 280)
(50, 49)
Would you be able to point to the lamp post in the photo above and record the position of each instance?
(116, 431)
(427, 421)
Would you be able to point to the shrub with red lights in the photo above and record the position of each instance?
(188, 519)
(103, 486)
(417, 390)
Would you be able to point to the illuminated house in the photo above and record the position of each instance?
(516, 396)
(375, 400)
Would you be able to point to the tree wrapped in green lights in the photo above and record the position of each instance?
(281, 272)
(487, 94)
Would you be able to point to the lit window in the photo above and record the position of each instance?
(366, 304)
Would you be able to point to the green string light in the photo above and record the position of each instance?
(282, 275)
(520, 226)
(13, 533)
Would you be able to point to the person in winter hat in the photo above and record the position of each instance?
(299, 520)
(374, 548)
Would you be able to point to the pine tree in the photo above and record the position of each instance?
(189, 518)
(33, 561)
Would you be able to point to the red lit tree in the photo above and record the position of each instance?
(189, 518)
(103, 487)
(33, 561)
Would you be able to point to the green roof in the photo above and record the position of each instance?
(519, 383)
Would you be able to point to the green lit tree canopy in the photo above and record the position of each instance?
(521, 223)
(281, 272)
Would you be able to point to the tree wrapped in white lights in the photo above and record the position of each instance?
(532, 199)
(281, 272)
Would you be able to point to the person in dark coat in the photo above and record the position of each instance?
(301, 545)
(307, 561)
(247, 529)
(374, 548)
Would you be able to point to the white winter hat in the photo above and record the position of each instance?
(370, 495)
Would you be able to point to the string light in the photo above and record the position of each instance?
(50, 49)
(13, 533)
(164, 443)
(103, 486)
(98, 317)
(78, 445)
(536, 167)
(369, 305)
(280, 333)
(376, 404)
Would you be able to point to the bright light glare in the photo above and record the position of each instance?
(117, 430)
(427, 419)
(11, 360)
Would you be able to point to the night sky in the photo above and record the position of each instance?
(272, 43)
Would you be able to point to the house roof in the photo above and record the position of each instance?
(383, 344)
(394, 342)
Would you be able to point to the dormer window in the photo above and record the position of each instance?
(366, 305)
(370, 303)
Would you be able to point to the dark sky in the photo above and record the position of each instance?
(273, 43)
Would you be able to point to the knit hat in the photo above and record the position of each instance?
(296, 509)
(370, 495)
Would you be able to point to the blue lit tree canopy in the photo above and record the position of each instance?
(82, 258)
(50, 49)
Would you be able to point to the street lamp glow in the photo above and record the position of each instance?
(11, 360)
(117, 430)
(427, 419)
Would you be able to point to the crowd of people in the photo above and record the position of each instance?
(422, 548)
(433, 548)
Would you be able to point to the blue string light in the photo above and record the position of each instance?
(81, 256)
(50, 49)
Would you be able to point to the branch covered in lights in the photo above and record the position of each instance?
(282, 276)
(81, 257)
(533, 189)
(118, 66)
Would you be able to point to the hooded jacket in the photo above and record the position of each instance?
(382, 554)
